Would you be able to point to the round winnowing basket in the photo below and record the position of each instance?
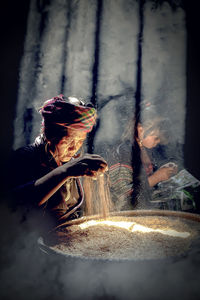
(128, 235)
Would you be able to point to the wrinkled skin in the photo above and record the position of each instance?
(87, 165)
(69, 145)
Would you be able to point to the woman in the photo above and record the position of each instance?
(149, 137)
(132, 173)
(46, 175)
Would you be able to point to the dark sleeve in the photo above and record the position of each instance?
(22, 175)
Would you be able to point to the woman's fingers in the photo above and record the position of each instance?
(88, 165)
(173, 170)
(95, 157)
(96, 162)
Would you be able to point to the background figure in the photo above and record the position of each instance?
(133, 171)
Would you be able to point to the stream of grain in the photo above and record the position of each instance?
(97, 196)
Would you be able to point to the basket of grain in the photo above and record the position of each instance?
(126, 235)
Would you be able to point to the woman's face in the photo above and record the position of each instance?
(150, 141)
(69, 145)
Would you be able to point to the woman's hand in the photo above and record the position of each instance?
(162, 174)
(88, 165)
(165, 173)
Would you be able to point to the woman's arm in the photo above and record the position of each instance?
(26, 188)
(88, 165)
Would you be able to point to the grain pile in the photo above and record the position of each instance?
(110, 242)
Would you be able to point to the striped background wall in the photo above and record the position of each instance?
(116, 53)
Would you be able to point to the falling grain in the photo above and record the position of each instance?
(97, 196)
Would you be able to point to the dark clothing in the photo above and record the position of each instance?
(28, 165)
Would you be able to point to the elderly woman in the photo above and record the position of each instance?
(132, 173)
(46, 175)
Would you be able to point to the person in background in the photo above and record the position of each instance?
(132, 172)
(149, 137)
(45, 175)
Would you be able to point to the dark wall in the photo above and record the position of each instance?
(13, 17)
(192, 145)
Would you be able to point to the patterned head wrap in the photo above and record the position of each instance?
(68, 112)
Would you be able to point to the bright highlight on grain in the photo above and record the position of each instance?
(132, 226)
